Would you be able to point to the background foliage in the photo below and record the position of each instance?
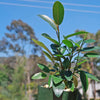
(17, 68)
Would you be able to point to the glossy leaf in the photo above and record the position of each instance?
(92, 55)
(58, 55)
(48, 37)
(54, 48)
(68, 75)
(39, 75)
(52, 70)
(72, 87)
(92, 76)
(67, 54)
(49, 20)
(58, 12)
(74, 34)
(68, 43)
(80, 58)
(58, 89)
(90, 48)
(75, 81)
(56, 67)
(42, 45)
(56, 79)
(89, 41)
(50, 81)
(84, 80)
(62, 49)
(48, 55)
(82, 62)
(44, 68)
(66, 63)
(56, 58)
(79, 42)
(75, 44)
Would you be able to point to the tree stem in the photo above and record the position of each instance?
(58, 33)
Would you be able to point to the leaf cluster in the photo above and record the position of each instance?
(66, 56)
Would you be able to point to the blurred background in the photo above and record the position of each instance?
(19, 55)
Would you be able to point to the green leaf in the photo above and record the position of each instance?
(56, 79)
(50, 81)
(67, 54)
(56, 58)
(84, 80)
(39, 75)
(54, 48)
(56, 67)
(48, 55)
(58, 12)
(89, 41)
(76, 44)
(80, 58)
(49, 20)
(62, 49)
(90, 48)
(68, 75)
(48, 37)
(92, 55)
(92, 76)
(72, 87)
(79, 42)
(68, 43)
(44, 68)
(66, 63)
(42, 45)
(58, 55)
(58, 89)
(82, 62)
(74, 34)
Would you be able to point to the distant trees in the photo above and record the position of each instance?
(21, 63)
(19, 39)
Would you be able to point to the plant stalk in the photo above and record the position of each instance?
(58, 33)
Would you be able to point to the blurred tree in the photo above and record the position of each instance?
(3, 75)
(16, 88)
(19, 40)
(13, 76)
(5, 80)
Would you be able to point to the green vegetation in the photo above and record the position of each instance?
(69, 60)
(18, 67)
(66, 56)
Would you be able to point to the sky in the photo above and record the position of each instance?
(79, 14)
